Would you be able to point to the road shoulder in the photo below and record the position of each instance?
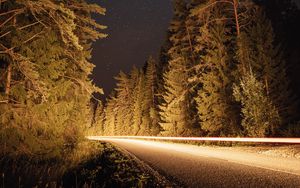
(160, 179)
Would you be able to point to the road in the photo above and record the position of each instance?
(195, 166)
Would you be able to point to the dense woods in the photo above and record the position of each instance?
(226, 69)
(45, 47)
(45, 93)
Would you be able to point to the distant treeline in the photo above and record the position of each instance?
(225, 70)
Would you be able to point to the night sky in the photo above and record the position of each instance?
(136, 29)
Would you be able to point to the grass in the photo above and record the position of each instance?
(110, 169)
(92, 164)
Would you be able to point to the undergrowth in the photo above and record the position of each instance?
(92, 164)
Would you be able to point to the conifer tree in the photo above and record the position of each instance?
(150, 98)
(139, 127)
(175, 111)
(98, 125)
(126, 96)
(260, 116)
(217, 110)
(284, 16)
(123, 111)
(47, 87)
(110, 112)
(256, 50)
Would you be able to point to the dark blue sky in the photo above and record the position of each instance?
(136, 29)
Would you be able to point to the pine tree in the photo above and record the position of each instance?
(110, 112)
(260, 116)
(139, 127)
(217, 110)
(175, 111)
(123, 116)
(127, 91)
(98, 125)
(180, 41)
(47, 87)
(256, 50)
(150, 101)
(284, 16)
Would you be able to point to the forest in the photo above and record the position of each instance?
(227, 68)
(45, 89)
(45, 93)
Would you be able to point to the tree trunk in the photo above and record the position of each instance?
(9, 69)
(191, 45)
(8, 79)
(267, 86)
(237, 23)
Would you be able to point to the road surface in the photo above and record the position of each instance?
(194, 166)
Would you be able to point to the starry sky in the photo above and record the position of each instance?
(136, 29)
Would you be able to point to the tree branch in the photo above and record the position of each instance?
(31, 38)
(12, 11)
(212, 4)
(7, 20)
(82, 84)
(20, 28)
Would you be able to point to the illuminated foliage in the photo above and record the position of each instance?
(138, 112)
(218, 112)
(212, 45)
(133, 110)
(150, 101)
(260, 116)
(125, 89)
(45, 48)
(110, 115)
(97, 125)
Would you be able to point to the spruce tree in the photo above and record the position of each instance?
(260, 116)
(256, 50)
(97, 128)
(150, 99)
(284, 16)
(123, 111)
(110, 112)
(135, 83)
(139, 127)
(217, 110)
(46, 87)
(175, 110)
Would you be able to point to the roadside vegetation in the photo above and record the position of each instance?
(92, 164)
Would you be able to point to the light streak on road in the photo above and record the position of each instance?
(216, 139)
(145, 146)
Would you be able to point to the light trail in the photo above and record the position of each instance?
(158, 150)
(216, 139)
